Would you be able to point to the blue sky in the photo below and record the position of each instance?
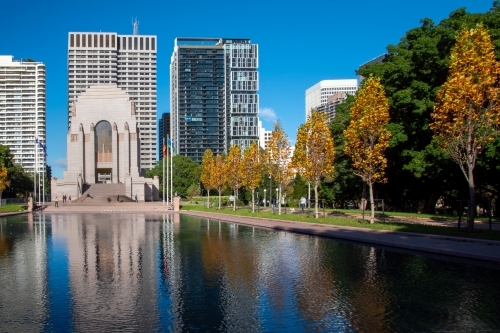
(300, 43)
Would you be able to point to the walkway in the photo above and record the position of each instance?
(454, 246)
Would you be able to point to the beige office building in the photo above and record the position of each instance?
(128, 61)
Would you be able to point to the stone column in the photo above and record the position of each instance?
(80, 151)
(126, 149)
(90, 156)
(134, 167)
(114, 148)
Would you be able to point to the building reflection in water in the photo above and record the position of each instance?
(140, 272)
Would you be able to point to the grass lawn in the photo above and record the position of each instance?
(353, 222)
(12, 208)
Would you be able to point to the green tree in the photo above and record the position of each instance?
(186, 173)
(412, 73)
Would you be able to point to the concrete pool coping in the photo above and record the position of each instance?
(477, 249)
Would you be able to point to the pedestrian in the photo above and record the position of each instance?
(136, 200)
(56, 202)
(231, 200)
(69, 199)
(273, 202)
(302, 203)
(118, 197)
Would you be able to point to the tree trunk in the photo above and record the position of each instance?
(234, 199)
(316, 199)
(472, 194)
(279, 201)
(363, 197)
(430, 203)
(219, 189)
(253, 202)
(372, 205)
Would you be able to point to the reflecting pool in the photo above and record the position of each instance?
(171, 273)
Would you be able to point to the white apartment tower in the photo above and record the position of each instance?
(22, 111)
(318, 94)
(129, 61)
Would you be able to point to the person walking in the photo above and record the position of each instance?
(118, 197)
(56, 202)
(273, 203)
(136, 198)
(302, 203)
(69, 199)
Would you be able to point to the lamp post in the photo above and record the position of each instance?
(264, 198)
(270, 186)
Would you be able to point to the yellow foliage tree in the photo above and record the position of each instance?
(314, 151)
(252, 169)
(4, 181)
(367, 136)
(219, 175)
(207, 170)
(234, 171)
(467, 111)
(276, 157)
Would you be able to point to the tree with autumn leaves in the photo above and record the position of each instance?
(233, 166)
(276, 158)
(466, 114)
(4, 181)
(314, 151)
(207, 173)
(367, 135)
(252, 169)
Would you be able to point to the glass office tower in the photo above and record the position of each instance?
(213, 95)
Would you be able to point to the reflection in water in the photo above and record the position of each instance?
(101, 272)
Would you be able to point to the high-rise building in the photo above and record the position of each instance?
(22, 111)
(213, 95)
(264, 136)
(318, 94)
(163, 132)
(129, 61)
(330, 108)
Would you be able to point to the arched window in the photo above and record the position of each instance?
(103, 147)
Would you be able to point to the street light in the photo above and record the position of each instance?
(264, 198)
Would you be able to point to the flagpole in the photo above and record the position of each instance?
(163, 163)
(34, 175)
(172, 171)
(166, 161)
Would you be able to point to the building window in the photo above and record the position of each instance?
(113, 41)
(77, 40)
(83, 41)
(72, 40)
(101, 40)
(135, 43)
(107, 40)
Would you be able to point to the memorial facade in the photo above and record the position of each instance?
(103, 147)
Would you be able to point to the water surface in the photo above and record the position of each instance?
(171, 273)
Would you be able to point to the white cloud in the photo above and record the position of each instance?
(268, 114)
(59, 163)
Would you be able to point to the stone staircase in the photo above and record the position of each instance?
(99, 193)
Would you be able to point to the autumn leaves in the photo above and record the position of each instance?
(466, 117)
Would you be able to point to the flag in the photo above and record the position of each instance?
(171, 145)
(164, 150)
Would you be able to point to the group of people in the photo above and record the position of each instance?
(64, 200)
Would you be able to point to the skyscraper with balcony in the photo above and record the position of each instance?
(22, 111)
(96, 58)
(213, 95)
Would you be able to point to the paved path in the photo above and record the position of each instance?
(454, 246)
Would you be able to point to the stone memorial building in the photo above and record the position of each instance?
(104, 149)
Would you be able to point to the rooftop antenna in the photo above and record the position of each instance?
(135, 24)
